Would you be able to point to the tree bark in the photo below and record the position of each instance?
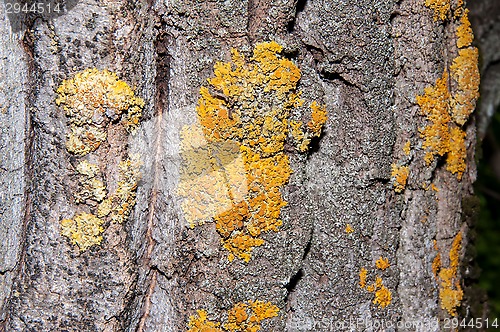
(366, 61)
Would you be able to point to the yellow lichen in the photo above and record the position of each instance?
(440, 7)
(318, 119)
(233, 163)
(434, 104)
(362, 277)
(465, 35)
(450, 291)
(349, 229)
(118, 205)
(84, 230)
(448, 112)
(400, 175)
(455, 159)
(91, 99)
(383, 295)
(200, 323)
(382, 263)
(243, 317)
(407, 148)
(91, 186)
(465, 72)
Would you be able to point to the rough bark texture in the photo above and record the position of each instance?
(365, 60)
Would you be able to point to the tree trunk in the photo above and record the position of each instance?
(349, 203)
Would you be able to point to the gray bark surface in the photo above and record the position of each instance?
(365, 60)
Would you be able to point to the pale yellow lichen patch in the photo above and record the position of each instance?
(441, 8)
(233, 165)
(243, 317)
(349, 229)
(465, 35)
(450, 291)
(382, 263)
(407, 148)
(118, 205)
(200, 323)
(84, 230)
(400, 177)
(91, 99)
(465, 72)
(91, 186)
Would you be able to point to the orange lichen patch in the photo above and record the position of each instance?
(318, 119)
(349, 229)
(450, 292)
(442, 136)
(362, 277)
(233, 164)
(383, 295)
(455, 159)
(382, 263)
(434, 104)
(200, 323)
(241, 245)
(465, 72)
(243, 317)
(84, 230)
(400, 175)
(407, 148)
(465, 35)
(91, 186)
(91, 99)
(440, 7)
(118, 205)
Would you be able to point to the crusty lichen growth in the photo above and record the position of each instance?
(91, 186)
(465, 36)
(465, 72)
(118, 205)
(440, 7)
(349, 229)
(451, 293)
(362, 277)
(407, 148)
(201, 323)
(233, 163)
(243, 317)
(84, 230)
(382, 263)
(382, 295)
(91, 99)
(448, 112)
(400, 177)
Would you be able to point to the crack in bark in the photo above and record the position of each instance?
(161, 106)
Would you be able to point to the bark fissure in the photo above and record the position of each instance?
(161, 107)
